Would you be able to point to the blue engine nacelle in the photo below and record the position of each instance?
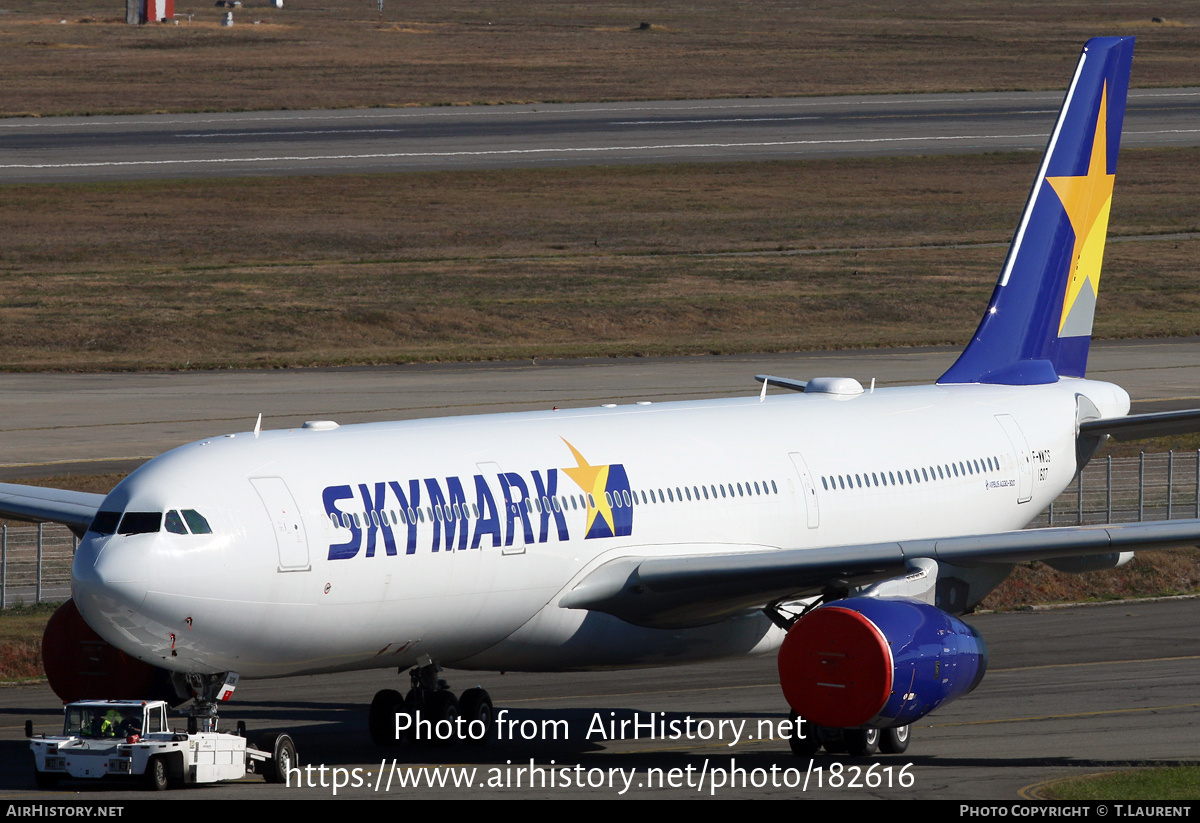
(867, 661)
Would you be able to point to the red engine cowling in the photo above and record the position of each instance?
(81, 665)
(882, 662)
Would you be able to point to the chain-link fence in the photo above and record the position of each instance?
(1160, 486)
(35, 563)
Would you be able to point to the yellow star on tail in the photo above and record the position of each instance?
(1086, 200)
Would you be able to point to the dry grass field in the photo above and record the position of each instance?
(519, 264)
(80, 56)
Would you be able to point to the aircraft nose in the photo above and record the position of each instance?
(110, 574)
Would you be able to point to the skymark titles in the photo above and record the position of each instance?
(460, 512)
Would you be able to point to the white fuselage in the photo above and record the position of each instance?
(280, 588)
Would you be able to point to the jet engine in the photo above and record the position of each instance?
(881, 662)
(81, 665)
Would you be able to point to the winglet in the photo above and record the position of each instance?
(1038, 324)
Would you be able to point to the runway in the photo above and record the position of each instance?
(72, 149)
(1068, 692)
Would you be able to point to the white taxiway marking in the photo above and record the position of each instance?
(511, 152)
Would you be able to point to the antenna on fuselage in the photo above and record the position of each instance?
(258, 425)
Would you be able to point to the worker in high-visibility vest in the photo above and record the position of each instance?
(110, 724)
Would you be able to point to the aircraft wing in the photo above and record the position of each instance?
(1141, 426)
(675, 592)
(74, 510)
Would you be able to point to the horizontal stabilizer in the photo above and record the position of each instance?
(1142, 426)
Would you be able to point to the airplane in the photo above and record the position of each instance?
(844, 528)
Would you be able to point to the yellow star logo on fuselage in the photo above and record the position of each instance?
(593, 480)
(1087, 199)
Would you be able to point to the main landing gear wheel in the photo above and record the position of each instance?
(810, 743)
(441, 705)
(894, 741)
(476, 705)
(861, 742)
(381, 720)
(832, 740)
(442, 717)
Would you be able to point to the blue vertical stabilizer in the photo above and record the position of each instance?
(1038, 324)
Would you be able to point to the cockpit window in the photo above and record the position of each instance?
(140, 522)
(196, 522)
(174, 523)
(105, 522)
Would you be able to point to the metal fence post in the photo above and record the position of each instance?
(1141, 486)
(4, 564)
(1079, 499)
(38, 594)
(1108, 488)
(1170, 480)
